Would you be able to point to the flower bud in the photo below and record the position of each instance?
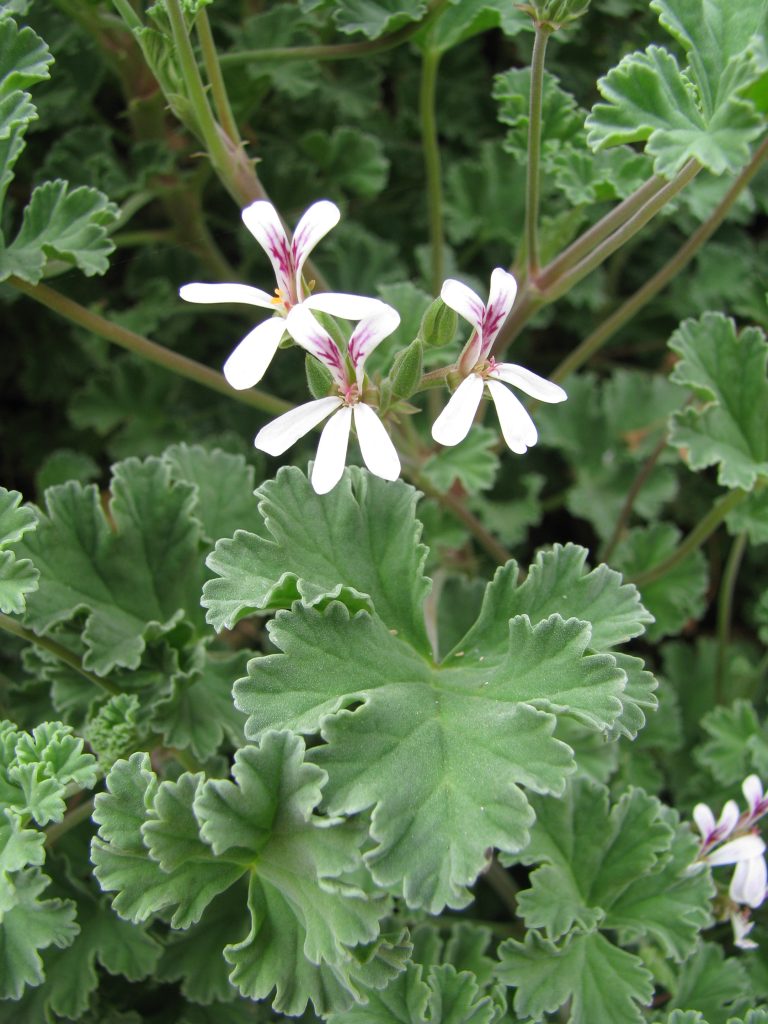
(319, 377)
(554, 14)
(438, 325)
(405, 374)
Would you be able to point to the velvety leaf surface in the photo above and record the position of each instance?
(18, 577)
(726, 371)
(714, 985)
(473, 463)
(405, 751)
(135, 581)
(344, 538)
(603, 982)
(737, 743)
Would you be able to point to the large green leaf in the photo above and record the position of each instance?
(726, 371)
(134, 582)
(405, 751)
(312, 546)
(693, 113)
(63, 224)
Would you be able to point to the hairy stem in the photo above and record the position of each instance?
(725, 610)
(533, 181)
(215, 77)
(626, 509)
(149, 350)
(457, 507)
(431, 150)
(62, 653)
(499, 880)
(701, 532)
(587, 348)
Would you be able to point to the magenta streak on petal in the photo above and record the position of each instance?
(490, 324)
(362, 336)
(281, 254)
(329, 353)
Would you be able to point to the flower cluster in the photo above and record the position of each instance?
(749, 883)
(293, 306)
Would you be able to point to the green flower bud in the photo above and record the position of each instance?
(405, 374)
(319, 377)
(554, 13)
(438, 325)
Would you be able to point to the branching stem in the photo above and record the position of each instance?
(215, 77)
(431, 149)
(637, 485)
(62, 653)
(701, 532)
(533, 181)
(149, 350)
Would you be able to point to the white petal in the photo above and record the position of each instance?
(517, 427)
(746, 847)
(749, 882)
(248, 363)
(348, 307)
(242, 293)
(278, 436)
(729, 816)
(453, 423)
(705, 820)
(464, 301)
(742, 926)
(332, 451)
(368, 334)
(379, 454)
(531, 383)
(307, 332)
(314, 224)
(263, 222)
(752, 788)
(500, 300)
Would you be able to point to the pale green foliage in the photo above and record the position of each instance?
(687, 113)
(737, 743)
(18, 576)
(474, 464)
(726, 371)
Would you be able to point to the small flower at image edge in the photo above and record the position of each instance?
(249, 362)
(376, 447)
(517, 427)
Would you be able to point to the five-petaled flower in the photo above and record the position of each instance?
(249, 361)
(347, 370)
(517, 427)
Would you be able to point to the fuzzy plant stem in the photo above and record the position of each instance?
(215, 77)
(146, 349)
(533, 177)
(665, 275)
(58, 650)
(725, 610)
(70, 820)
(626, 509)
(701, 532)
(431, 149)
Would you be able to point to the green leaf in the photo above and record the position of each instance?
(352, 161)
(186, 876)
(692, 113)
(557, 583)
(750, 517)
(311, 546)
(463, 19)
(223, 486)
(61, 224)
(712, 984)
(485, 197)
(19, 848)
(18, 577)
(113, 731)
(28, 927)
(561, 119)
(134, 582)
(726, 371)
(404, 751)
(603, 982)
(681, 595)
(583, 876)
(737, 743)
(374, 18)
(474, 464)
(307, 910)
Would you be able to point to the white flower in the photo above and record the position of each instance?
(714, 831)
(249, 361)
(378, 452)
(750, 879)
(752, 788)
(517, 427)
